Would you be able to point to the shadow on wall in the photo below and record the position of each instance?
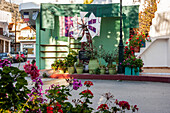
(163, 23)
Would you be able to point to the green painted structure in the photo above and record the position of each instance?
(50, 46)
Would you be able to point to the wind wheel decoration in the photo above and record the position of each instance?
(86, 25)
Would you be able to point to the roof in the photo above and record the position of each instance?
(26, 28)
(5, 37)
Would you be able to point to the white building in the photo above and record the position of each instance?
(157, 52)
(5, 18)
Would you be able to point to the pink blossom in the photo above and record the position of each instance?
(17, 57)
(22, 55)
(27, 67)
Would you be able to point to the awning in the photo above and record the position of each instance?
(49, 11)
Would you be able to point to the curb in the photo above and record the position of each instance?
(112, 77)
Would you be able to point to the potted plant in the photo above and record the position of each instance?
(137, 41)
(110, 58)
(60, 65)
(132, 65)
(70, 60)
(102, 69)
(79, 67)
(112, 68)
(93, 62)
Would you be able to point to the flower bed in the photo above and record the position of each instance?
(16, 97)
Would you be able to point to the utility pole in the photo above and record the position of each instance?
(15, 31)
(120, 67)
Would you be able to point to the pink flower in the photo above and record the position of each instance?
(22, 55)
(17, 57)
(27, 67)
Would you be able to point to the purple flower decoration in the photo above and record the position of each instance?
(76, 84)
(5, 63)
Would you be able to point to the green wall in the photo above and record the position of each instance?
(109, 38)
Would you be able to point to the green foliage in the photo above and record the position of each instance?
(110, 57)
(133, 62)
(97, 71)
(59, 64)
(70, 60)
(45, 75)
(13, 88)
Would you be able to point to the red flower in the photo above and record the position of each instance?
(60, 111)
(135, 106)
(49, 109)
(124, 105)
(22, 55)
(103, 106)
(126, 47)
(58, 105)
(116, 101)
(126, 42)
(87, 92)
(88, 83)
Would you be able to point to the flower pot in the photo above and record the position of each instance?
(79, 70)
(93, 65)
(142, 44)
(102, 71)
(70, 70)
(61, 71)
(128, 71)
(111, 71)
(137, 49)
(91, 71)
(135, 72)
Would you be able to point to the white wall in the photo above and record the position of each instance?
(5, 16)
(157, 54)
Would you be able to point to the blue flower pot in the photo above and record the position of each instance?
(128, 71)
(142, 42)
(135, 73)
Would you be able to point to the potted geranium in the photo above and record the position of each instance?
(132, 65)
(137, 41)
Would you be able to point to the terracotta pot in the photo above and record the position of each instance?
(137, 49)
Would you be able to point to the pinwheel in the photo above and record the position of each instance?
(84, 27)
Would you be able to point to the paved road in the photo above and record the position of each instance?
(151, 97)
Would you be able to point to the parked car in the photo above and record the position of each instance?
(4, 56)
(14, 55)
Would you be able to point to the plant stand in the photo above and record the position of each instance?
(128, 71)
(135, 73)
